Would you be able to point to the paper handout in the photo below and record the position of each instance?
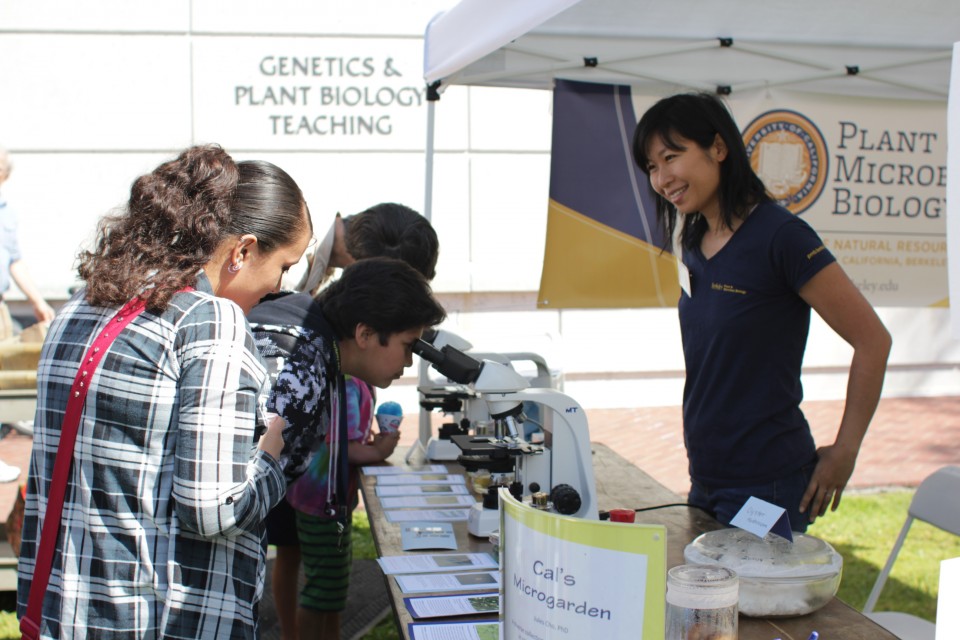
(438, 562)
(449, 606)
(417, 536)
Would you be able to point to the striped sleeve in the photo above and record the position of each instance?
(219, 488)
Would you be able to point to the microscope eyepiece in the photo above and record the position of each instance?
(427, 351)
(451, 362)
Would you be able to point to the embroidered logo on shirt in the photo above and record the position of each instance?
(726, 288)
(789, 154)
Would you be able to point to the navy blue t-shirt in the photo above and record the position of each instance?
(744, 333)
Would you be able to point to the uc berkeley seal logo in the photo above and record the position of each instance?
(789, 154)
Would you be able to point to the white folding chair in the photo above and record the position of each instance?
(937, 502)
(948, 617)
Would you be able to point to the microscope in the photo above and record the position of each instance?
(557, 474)
(462, 404)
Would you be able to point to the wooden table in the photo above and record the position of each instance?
(621, 484)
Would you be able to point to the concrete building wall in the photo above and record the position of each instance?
(97, 92)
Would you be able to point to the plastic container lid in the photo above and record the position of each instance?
(769, 557)
(699, 586)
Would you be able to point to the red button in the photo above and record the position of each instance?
(622, 515)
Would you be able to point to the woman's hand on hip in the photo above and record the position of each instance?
(830, 477)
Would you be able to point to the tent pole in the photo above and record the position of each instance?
(425, 430)
(428, 181)
(433, 95)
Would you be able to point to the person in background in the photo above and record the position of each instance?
(390, 230)
(386, 229)
(162, 531)
(14, 268)
(755, 271)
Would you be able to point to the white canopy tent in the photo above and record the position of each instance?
(860, 48)
(855, 47)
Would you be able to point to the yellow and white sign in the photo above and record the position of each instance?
(571, 578)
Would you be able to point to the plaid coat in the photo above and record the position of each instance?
(162, 532)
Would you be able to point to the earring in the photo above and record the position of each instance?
(235, 267)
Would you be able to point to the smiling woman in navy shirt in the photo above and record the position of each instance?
(755, 271)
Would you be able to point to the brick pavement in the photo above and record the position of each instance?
(908, 439)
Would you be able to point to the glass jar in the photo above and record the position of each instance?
(702, 603)
(483, 428)
(481, 480)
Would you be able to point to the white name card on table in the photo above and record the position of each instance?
(948, 614)
(420, 536)
(759, 517)
(570, 578)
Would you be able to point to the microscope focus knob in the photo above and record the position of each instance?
(565, 499)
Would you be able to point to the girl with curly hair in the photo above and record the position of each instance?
(161, 533)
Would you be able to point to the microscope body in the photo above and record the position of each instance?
(562, 465)
(565, 456)
(462, 403)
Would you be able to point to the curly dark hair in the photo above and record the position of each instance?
(385, 294)
(177, 217)
(394, 231)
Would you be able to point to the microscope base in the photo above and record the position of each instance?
(482, 522)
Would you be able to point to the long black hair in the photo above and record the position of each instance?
(385, 294)
(393, 230)
(699, 117)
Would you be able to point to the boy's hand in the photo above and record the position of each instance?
(272, 439)
(385, 443)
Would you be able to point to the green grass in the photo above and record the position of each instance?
(364, 549)
(863, 531)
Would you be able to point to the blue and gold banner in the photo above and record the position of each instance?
(869, 175)
(604, 249)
